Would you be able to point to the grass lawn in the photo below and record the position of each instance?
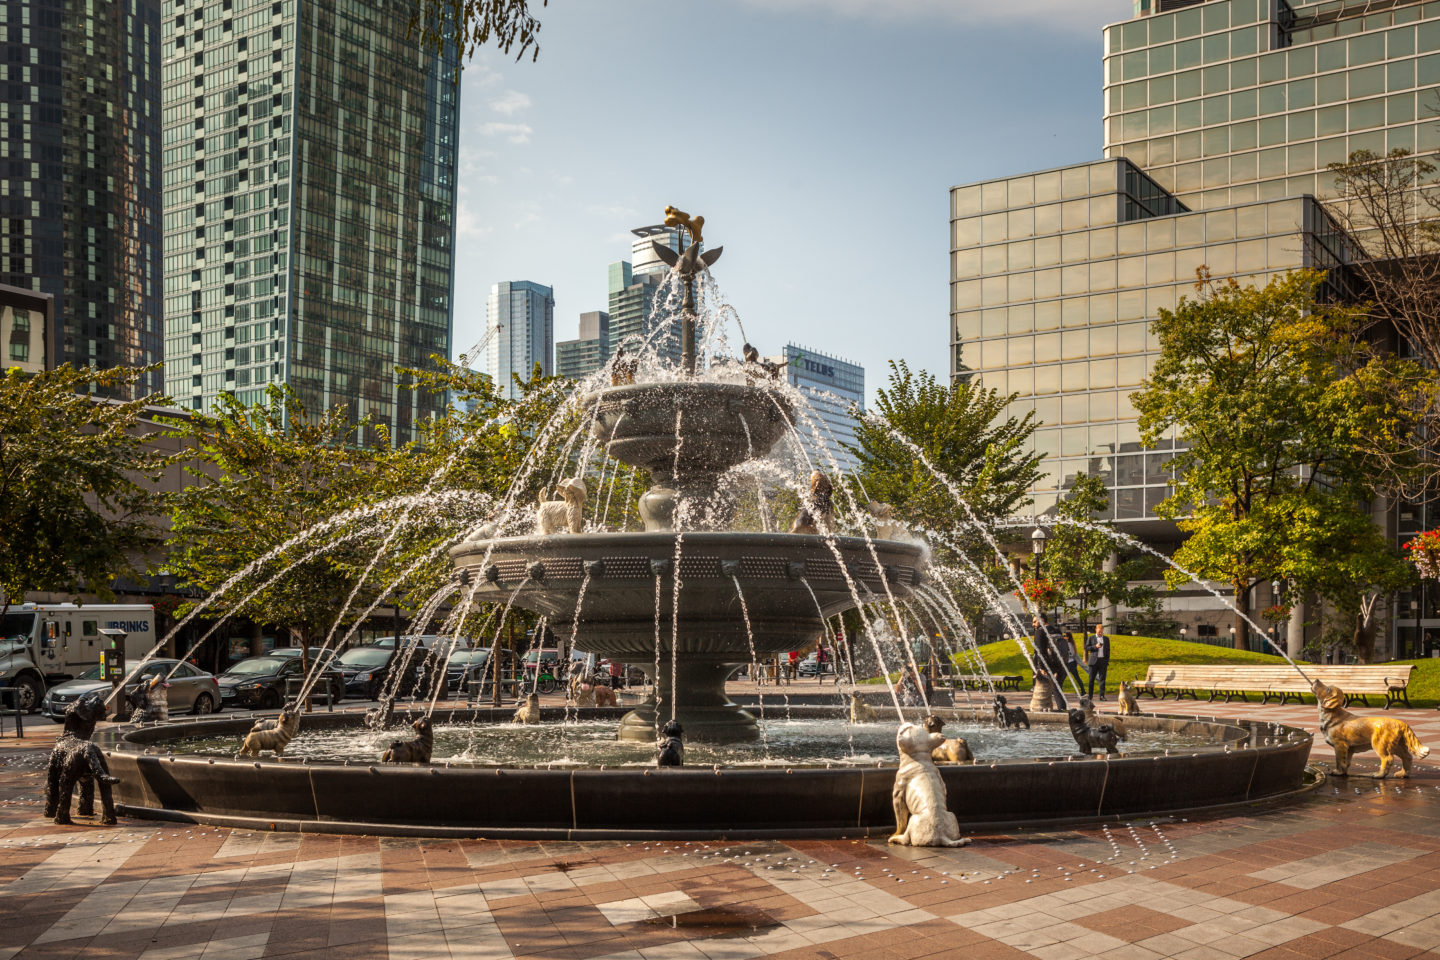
(1130, 656)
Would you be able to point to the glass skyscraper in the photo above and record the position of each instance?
(80, 173)
(835, 388)
(309, 201)
(521, 325)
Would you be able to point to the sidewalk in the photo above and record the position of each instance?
(1353, 870)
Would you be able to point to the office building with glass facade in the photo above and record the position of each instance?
(80, 217)
(521, 325)
(634, 285)
(1220, 119)
(584, 355)
(309, 163)
(836, 391)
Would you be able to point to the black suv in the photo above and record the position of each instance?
(261, 681)
(366, 671)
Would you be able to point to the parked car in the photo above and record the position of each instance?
(261, 681)
(312, 654)
(366, 670)
(191, 690)
(428, 641)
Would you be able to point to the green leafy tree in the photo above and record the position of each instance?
(1277, 402)
(77, 502)
(467, 25)
(967, 445)
(1076, 557)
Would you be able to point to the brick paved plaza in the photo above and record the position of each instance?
(1353, 870)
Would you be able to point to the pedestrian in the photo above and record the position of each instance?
(1097, 658)
(617, 675)
(792, 666)
(1070, 660)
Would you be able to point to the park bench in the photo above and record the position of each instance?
(979, 681)
(1280, 683)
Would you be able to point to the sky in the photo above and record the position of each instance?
(818, 138)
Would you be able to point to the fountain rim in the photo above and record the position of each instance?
(140, 766)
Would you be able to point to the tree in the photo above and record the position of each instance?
(973, 467)
(1075, 557)
(1390, 206)
(77, 505)
(466, 25)
(1280, 413)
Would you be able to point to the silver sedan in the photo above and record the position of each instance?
(191, 690)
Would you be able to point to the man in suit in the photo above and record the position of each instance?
(1097, 658)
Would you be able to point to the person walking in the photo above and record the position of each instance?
(1097, 658)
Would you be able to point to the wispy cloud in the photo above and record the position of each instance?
(1064, 15)
(514, 132)
(510, 103)
(467, 223)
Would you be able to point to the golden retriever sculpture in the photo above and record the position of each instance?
(860, 711)
(530, 713)
(951, 749)
(1390, 737)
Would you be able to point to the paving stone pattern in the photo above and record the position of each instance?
(1353, 870)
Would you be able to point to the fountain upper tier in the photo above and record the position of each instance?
(687, 433)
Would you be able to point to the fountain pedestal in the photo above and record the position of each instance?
(703, 708)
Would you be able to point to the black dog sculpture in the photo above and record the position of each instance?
(75, 760)
(1091, 738)
(1009, 717)
(670, 750)
(413, 751)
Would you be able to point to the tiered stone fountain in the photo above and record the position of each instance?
(741, 595)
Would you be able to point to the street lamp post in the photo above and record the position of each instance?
(1037, 547)
(1182, 634)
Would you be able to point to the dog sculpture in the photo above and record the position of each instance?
(951, 749)
(274, 738)
(151, 701)
(1390, 737)
(1009, 717)
(604, 695)
(817, 514)
(1087, 706)
(71, 764)
(921, 817)
(530, 713)
(753, 359)
(1092, 738)
(622, 368)
(581, 692)
(1129, 706)
(669, 748)
(413, 751)
(886, 526)
(565, 514)
(860, 711)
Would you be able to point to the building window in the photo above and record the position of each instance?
(21, 322)
(20, 352)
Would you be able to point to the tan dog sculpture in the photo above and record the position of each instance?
(1390, 737)
(951, 749)
(921, 816)
(860, 711)
(1129, 706)
(530, 713)
(274, 738)
(565, 514)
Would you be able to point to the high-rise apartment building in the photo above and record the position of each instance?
(584, 355)
(309, 203)
(80, 173)
(521, 325)
(836, 391)
(634, 286)
(1220, 119)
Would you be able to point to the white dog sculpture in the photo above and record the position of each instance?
(567, 513)
(921, 817)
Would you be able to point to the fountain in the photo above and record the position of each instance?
(690, 598)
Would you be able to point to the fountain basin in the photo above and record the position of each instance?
(712, 628)
(689, 802)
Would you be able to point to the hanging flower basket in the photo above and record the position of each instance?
(168, 604)
(1276, 613)
(1041, 593)
(1424, 551)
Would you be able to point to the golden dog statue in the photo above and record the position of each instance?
(1390, 737)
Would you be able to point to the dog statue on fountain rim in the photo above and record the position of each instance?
(1090, 738)
(275, 738)
(1129, 706)
(1009, 717)
(860, 711)
(566, 514)
(413, 751)
(922, 818)
(817, 511)
(951, 749)
(530, 713)
(669, 748)
(1092, 718)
